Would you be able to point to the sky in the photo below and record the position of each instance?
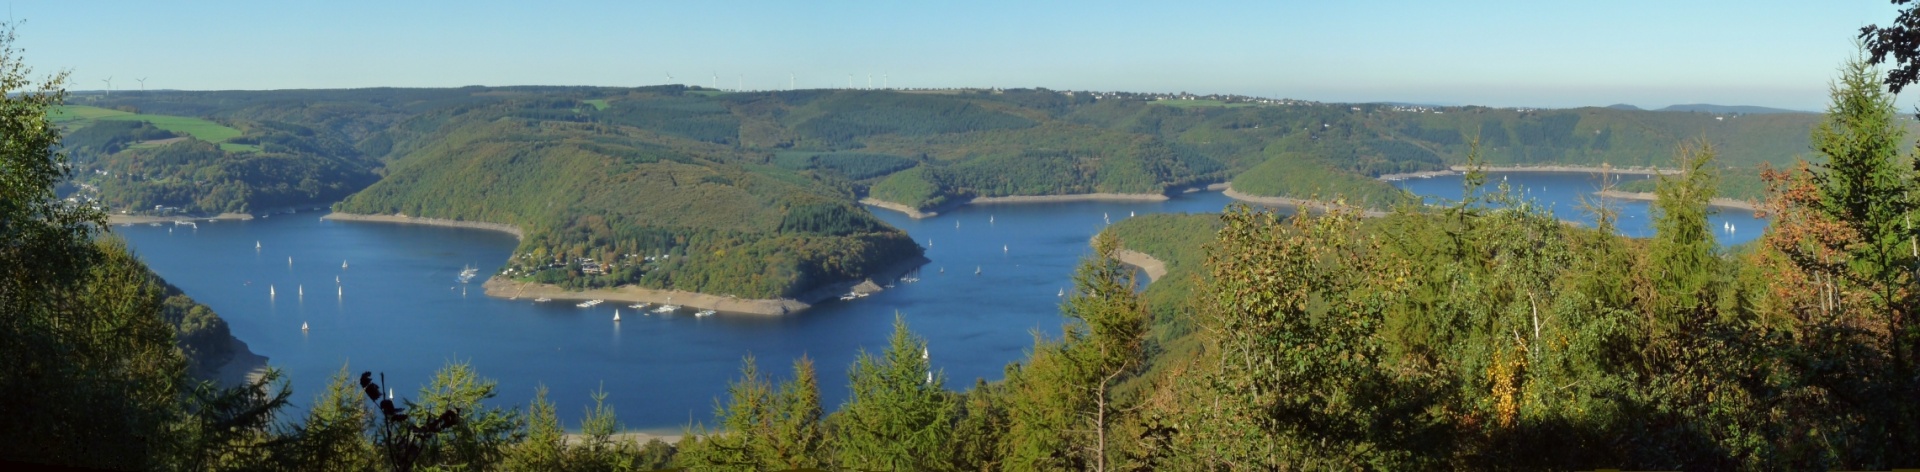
(1494, 53)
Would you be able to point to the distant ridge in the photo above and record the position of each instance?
(1623, 106)
(1709, 108)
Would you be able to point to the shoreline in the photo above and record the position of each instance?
(1296, 203)
(1569, 169)
(499, 287)
(144, 219)
(245, 367)
(1154, 267)
(1721, 202)
(404, 219)
(1015, 199)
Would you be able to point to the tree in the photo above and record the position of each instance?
(1682, 251)
(334, 434)
(1901, 42)
(480, 439)
(1061, 409)
(1842, 251)
(544, 444)
(898, 416)
(798, 438)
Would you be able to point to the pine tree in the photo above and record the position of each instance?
(899, 416)
(1682, 251)
(798, 439)
(544, 446)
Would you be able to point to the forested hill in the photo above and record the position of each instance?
(628, 197)
(691, 188)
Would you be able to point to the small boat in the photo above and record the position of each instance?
(1129, 213)
(342, 292)
(1003, 249)
(542, 300)
(849, 296)
(343, 264)
(976, 270)
(956, 224)
(1062, 294)
(638, 306)
(303, 326)
(256, 245)
(667, 309)
(704, 313)
(289, 261)
(616, 315)
(989, 219)
(302, 289)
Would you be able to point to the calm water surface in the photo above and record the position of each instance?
(396, 307)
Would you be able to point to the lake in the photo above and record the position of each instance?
(397, 308)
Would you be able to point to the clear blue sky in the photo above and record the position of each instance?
(1497, 53)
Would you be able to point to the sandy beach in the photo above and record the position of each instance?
(404, 219)
(1313, 205)
(500, 287)
(1078, 197)
(911, 212)
(1648, 197)
(1154, 268)
(1456, 170)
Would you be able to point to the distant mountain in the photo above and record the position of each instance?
(1741, 109)
(1623, 106)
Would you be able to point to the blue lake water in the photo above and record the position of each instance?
(1562, 193)
(398, 309)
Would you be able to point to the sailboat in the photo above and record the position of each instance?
(989, 219)
(342, 292)
(1129, 213)
(1063, 293)
(616, 315)
(256, 245)
(343, 264)
(269, 291)
(1003, 249)
(976, 270)
(956, 224)
(289, 261)
(302, 289)
(303, 326)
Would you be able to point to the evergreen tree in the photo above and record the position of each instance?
(480, 438)
(798, 439)
(544, 445)
(1682, 256)
(898, 416)
(335, 435)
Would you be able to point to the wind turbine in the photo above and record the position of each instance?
(869, 81)
(789, 81)
(886, 81)
(716, 81)
(669, 78)
(143, 83)
(849, 80)
(109, 81)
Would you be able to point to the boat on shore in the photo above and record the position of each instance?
(665, 309)
(704, 313)
(542, 300)
(590, 303)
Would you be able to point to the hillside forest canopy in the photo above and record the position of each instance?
(1462, 336)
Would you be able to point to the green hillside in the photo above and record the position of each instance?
(724, 182)
(600, 201)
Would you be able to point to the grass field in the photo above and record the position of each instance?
(598, 104)
(1200, 103)
(75, 116)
